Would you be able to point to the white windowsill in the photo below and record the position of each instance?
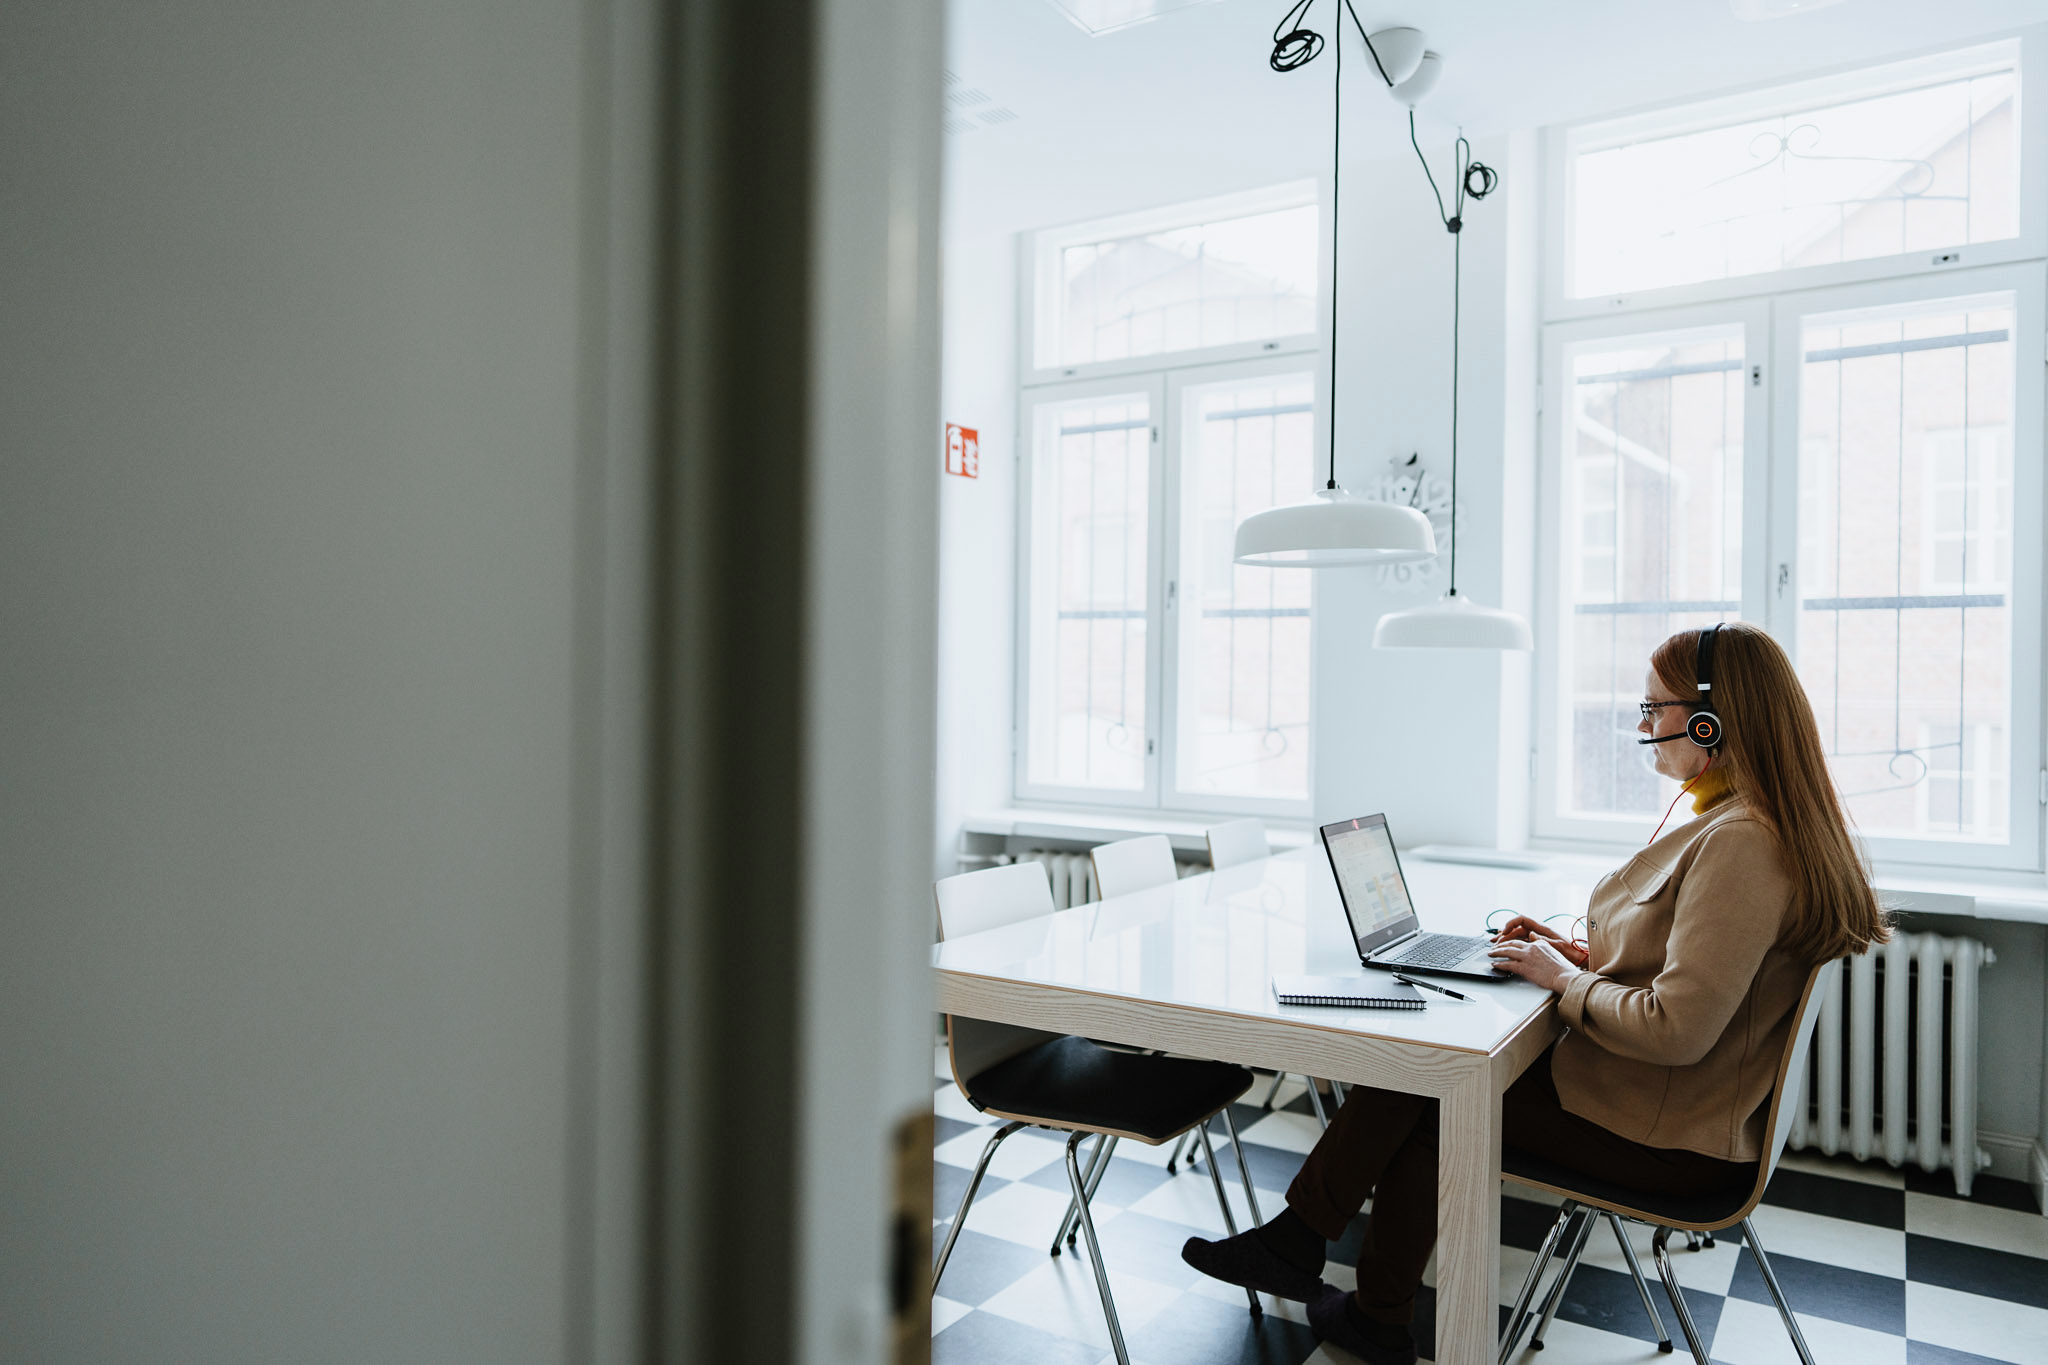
(1101, 826)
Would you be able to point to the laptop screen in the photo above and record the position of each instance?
(1369, 881)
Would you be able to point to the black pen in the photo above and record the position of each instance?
(1440, 990)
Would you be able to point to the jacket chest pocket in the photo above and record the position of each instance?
(1644, 880)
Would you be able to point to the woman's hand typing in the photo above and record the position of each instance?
(1536, 952)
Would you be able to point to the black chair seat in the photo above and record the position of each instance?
(1073, 1081)
(1714, 1209)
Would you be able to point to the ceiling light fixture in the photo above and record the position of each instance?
(1453, 622)
(1337, 529)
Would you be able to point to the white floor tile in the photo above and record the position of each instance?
(2023, 1234)
(950, 1103)
(1974, 1323)
(1831, 1241)
(1060, 1297)
(945, 1312)
(1288, 1132)
(1581, 1345)
(1025, 1214)
(1190, 1203)
(1843, 1168)
(1020, 1155)
(1753, 1334)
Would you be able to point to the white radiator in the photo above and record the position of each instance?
(1894, 1074)
(1073, 876)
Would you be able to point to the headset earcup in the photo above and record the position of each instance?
(1703, 728)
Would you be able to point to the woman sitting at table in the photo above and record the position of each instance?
(1677, 1001)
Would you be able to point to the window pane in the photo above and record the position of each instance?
(1090, 493)
(1916, 169)
(1653, 489)
(1246, 445)
(1905, 564)
(1243, 279)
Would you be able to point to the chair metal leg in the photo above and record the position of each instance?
(1635, 1269)
(1229, 1222)
(1244, 1173)
(1173, 1157)
(1661, 1254)
(1530, 1281)
(1272, 1090)
(1763, 1263)
(1065, 1231)
(1116, 1331)
(1315, 1100)
(1094, 1179)
(1564, 1278)
(967, 1199)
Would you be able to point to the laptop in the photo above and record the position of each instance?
(1382, 918)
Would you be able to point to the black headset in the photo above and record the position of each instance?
(1703, 726)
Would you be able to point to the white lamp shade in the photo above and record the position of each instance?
(1452, 623)
(1411, 91)
(1333, 531)
(1399, 51)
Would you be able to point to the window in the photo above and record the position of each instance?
(1910, 158)
(1154, 670)
(1857, 500)
(1222, 273)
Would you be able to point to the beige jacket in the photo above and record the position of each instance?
(1677, 1030)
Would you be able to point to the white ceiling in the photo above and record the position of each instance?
(1185, 106)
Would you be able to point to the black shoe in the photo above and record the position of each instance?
(1330, 1316)
(1246, 1261)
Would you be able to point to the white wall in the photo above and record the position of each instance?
(293, 592)
(977, 535)
(1386, 717)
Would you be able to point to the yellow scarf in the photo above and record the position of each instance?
(1709, 787)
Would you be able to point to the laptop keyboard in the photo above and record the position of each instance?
(1436, 950)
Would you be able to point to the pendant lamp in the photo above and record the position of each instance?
(1454, 622)
(1337, 528)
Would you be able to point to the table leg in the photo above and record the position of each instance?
(1468, 1212)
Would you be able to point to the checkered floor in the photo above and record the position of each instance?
(1883, 1267)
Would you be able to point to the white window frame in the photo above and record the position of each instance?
(1556, 546)
(1038, 277)
(2027, 283)
(1770, 529)
(1165, 385)
(2028, 49)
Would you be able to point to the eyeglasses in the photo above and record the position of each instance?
(1649, 708)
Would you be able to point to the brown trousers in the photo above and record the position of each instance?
(1383, 1143)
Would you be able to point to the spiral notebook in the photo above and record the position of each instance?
(1348, 992)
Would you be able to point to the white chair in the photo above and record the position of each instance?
(1132, 865)
(1601, 1199)
(1237, 841)
(1032, 1078)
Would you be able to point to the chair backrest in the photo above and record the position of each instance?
(1132, 865)
(991, 898)
(1790, 1091)
(968, 904)
(1237, 841)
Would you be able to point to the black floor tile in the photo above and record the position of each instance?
(985, 1339)
(1525, 1223)
(1273, 1168)
(1977, 1270)
(1204, 1331)
(950, 1182)
(1994, 1190)
(1850, 1199)
(946, 1129)
(982, 1267)
(1826, 1291)
(1607, 1299)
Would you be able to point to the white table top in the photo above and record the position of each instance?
(1213, 943)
